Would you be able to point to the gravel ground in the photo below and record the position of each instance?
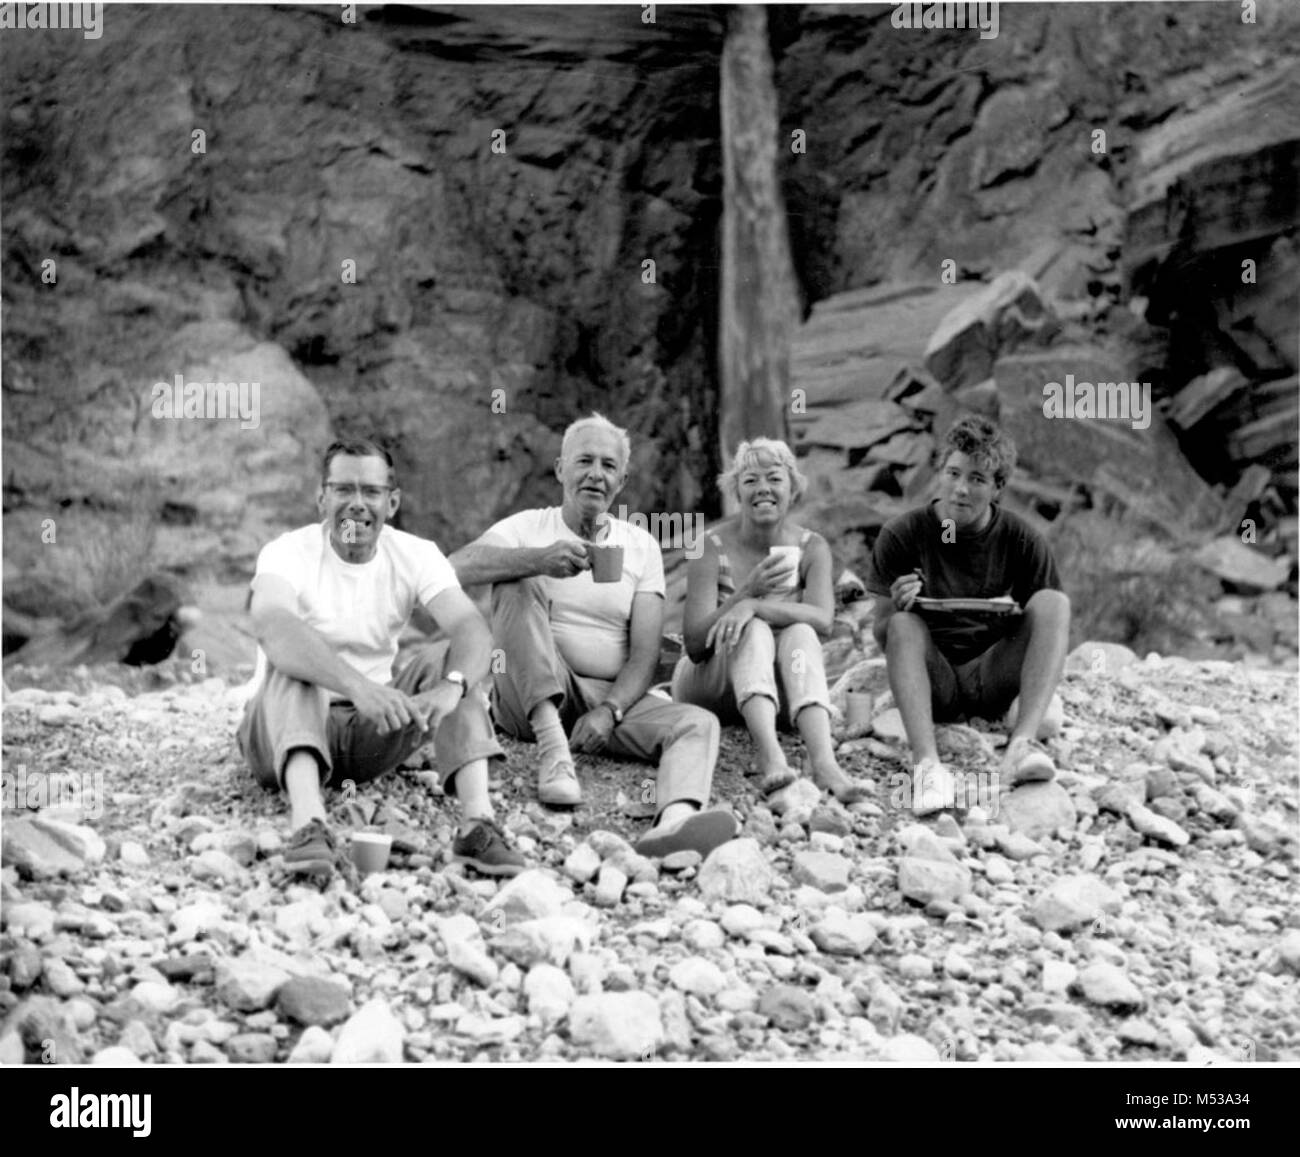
(1142, 907)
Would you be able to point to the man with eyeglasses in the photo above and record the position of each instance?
(329, 603)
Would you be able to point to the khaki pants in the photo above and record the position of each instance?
(683, 740)
(287, 714)
(786, 666)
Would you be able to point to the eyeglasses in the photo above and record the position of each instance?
(348, 489)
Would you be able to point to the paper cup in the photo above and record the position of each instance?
(791, 555)
(370, 851)
(857, 709)
(606, 562)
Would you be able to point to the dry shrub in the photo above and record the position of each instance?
(1125, 587)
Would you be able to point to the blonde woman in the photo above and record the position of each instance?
(759, 601)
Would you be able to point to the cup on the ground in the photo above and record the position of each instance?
(606, 562)
(857, 709)
(370, 851)
(790, 570)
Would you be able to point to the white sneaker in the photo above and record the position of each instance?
(933, 788)
(558, 785)
(1025, 761)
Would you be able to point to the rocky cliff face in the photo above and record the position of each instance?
(459, 228)
(353, 222)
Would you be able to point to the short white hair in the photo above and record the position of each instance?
(597, 422)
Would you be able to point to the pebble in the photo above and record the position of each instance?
(619, 1025)
(372, 1035)
(824, 870)
(582, 863)
(610, 886)
(703, 935)
(1108, 985)
(840, 934)
(924, 880)
(737, 872)
(1073, 901)
(549, 992)
(697, 976)
(912, 966)
(790, 1009)
(312, 1000)
(313, 1048)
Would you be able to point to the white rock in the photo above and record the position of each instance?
(912, 966)
(823, 870)
(248, 985)
(925, 880)
(1203, 961)
(998, 870)
(610, 886)
(549, 992)
(697, 976)
(956, 965)
(909, 1049)
(840, 934)
(154, 996)
(737, 872)
(130, 852)
(470, 960)
(372, 1035)
(490, 1029)
(582, 863)
(552, 939)
(740, 920)
(115, 1056)
(621, 1025)
(1058, 976)
(1073, 901)
(703, 935)
(803, 793)
(1105, 984)
(531, 895)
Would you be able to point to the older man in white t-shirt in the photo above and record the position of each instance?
(329, 603)
(582, 654)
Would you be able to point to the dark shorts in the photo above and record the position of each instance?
(982, 687)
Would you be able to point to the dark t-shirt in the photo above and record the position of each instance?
(1007, 557)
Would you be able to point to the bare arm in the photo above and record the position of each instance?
(293, 647)
(818, 606)
(484, 561)
(644, 635)
(301, 652)
(471, 640)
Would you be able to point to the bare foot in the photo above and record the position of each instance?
(832, 779)
(772, 777)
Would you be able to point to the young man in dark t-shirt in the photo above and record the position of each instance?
(943, 665)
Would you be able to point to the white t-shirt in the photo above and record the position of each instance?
(590, 620)
(359, 608)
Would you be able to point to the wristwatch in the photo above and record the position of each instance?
(615, 710)
(460, 680)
